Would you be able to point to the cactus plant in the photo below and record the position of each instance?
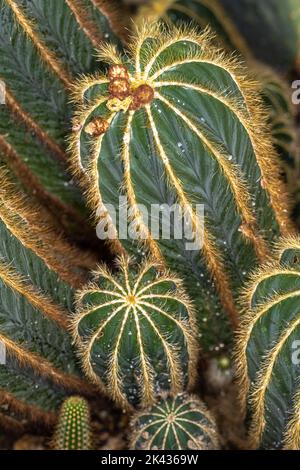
(39, 273)
(43, 47)
(181, 422)
(135, 333)
(73, 428)
(267, 354)
(274, 91)
(159, 129)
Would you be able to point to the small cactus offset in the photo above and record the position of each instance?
(178, 123)
(73, 430)
(267, 356)
(135, 334)
(175, 423)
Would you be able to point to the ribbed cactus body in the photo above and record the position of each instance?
(73, 428)
(44, 46)
(189, 131)
(268, 351)
(135, 334)
(38, 276)
(274, 91)
(175, 423)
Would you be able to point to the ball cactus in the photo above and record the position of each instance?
(73, 428)
(135, 333)
(188, 129)
(174, 423)
(268, 351)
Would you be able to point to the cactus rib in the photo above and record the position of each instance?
(44, 137)
(46, 54)
(40, 367)
(268, 377)
(22, 219)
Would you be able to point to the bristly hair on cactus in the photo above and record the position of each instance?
(276, 95)
(73, 430)
(177, 122)
(210, 13)
(57, 39)
(39, 272)
(180, 422)
(135, 333)
(267, 359)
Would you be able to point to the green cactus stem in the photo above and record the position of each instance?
(275, 92)
(160, 130)
(73, 428)
(267, 357)
(38, 278)
(135, 333)
(44, 47)
(174, 423)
